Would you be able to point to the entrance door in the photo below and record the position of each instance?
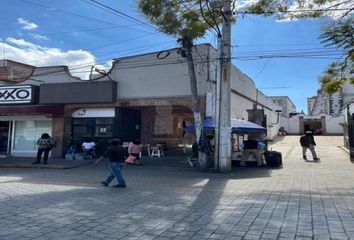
(128, 124)
(4, 137)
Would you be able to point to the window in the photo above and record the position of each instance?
(92, 127)
(27, 132)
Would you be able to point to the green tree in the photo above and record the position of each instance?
(338, 32)
(340, 72)
(184, 20)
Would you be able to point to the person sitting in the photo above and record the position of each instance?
(134, 149)
(252, 147)
(88, 147)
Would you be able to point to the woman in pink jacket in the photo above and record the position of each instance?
(134, 150)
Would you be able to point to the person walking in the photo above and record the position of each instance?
(116, 155)
(45, 144)
(307, 141)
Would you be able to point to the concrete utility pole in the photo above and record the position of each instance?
(224, 146)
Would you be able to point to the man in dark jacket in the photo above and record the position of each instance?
(252, 147)
(308, 142)
(117, 155)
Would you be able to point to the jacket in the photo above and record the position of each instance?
(306, 140)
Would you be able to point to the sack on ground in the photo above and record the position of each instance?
(130, 160)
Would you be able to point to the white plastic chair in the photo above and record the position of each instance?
(157, 151)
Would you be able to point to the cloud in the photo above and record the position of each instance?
(79, 61)
(27, 25)
(39, 37)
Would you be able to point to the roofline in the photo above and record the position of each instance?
(283, 97)
(20, 63)
(156, 52)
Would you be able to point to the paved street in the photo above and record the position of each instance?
(166, 199)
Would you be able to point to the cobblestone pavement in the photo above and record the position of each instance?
(166, 199)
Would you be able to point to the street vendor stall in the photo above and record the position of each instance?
(240, 130)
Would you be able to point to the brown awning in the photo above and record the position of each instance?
(55, 110)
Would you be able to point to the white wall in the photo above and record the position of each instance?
(332, 124)
(54, 74)
(294, 124)
(147, 76)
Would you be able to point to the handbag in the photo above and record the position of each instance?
(130, 160)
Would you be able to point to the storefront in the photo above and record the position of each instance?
(104, 124)
(22, 121)
(19, 135)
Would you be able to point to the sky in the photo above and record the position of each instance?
(283, 58)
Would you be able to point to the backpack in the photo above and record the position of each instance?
(303, 141)
(52, 143)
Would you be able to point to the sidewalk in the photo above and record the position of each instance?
(57, 163)
(167, 199)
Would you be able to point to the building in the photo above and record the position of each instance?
(287, 106)
(331, 104)
(144, 96)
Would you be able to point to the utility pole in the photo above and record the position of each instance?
(224, 126)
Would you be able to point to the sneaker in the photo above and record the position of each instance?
(316, 159)
(304, 157)
(120, 186)
(103, 183)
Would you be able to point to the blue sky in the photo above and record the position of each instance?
(78, 34)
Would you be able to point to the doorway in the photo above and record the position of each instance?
(4, 137)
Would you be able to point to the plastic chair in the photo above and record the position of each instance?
(157, 151)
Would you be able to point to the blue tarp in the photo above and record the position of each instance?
(238, 126)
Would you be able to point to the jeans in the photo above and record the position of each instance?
(40, 152)
(116, 171)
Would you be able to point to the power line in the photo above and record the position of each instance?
(121, 14)
(294, 11)
(66, 12)
(152, 63)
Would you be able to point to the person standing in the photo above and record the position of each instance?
(45, 144)
(207, 149)
(252, 147)
(307, 141)
(134, 149)
(116, 155)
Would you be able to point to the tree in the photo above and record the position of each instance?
(184, 20)
(341, 71)
(338, 32)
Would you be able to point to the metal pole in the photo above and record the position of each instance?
(225, 88)
(217, 103)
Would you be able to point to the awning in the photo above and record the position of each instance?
(238, 126)
(54, 110)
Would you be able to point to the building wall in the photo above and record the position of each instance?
(153, 81)
(287, 106)
(330, 124)
(148, 76)
(333, 126)
(14, 71)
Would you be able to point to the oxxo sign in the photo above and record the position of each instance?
(16, 94)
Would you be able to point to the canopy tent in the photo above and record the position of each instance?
(238, 126)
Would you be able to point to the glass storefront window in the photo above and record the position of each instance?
(92, 127)
(26, 133)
